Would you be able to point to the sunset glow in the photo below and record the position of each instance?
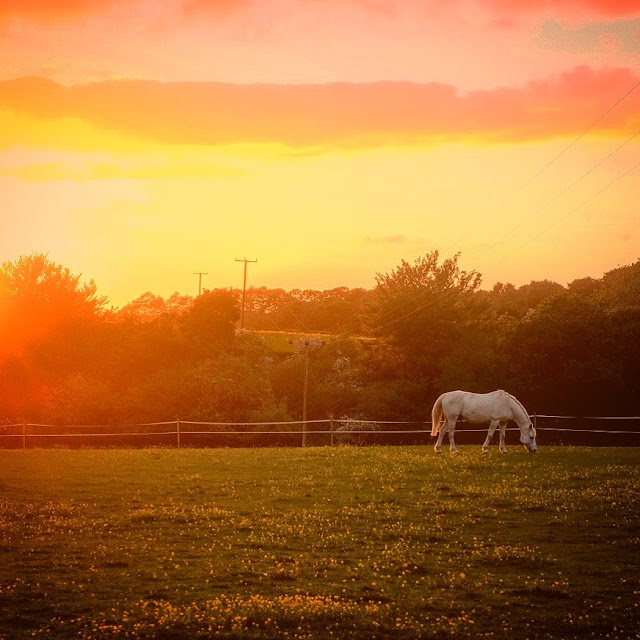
(143, 141)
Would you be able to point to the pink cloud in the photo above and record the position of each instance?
(54, 9)
(216, 8)
(61, 9)
(556, 8)
(47, 10)
(337, 114)
(571, 8)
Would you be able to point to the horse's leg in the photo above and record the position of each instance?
(452, 430)
(492, 430)
(443, 429)
(503, 429)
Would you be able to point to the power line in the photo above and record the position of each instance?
(420, 308)
(558, 220)
(301, 323)
(559, 195)
(562, 152)
(520, 188)
(410, 300)
(571, 144)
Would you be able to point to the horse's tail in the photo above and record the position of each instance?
(437, 417)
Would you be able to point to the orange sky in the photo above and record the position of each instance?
(141, 141)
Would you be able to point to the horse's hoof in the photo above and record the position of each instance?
(485, 452)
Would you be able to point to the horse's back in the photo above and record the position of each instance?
(478, 407)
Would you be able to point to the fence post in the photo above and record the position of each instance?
(331, 427)
(24, 435)
(535, 421)
(178, 432)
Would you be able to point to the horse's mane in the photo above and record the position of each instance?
(524, 411)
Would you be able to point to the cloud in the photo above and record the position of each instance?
(623, 35)
(47, 171)
(568, 8)
(572, 8)
(377, 241)
(54, 9)
(47, 10)
(343, 115)
(216, 8)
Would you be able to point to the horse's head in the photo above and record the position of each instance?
(528, 438)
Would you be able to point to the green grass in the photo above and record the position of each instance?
(319, 543)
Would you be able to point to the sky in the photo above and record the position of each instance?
(144, 140)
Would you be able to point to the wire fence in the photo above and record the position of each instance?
(330, 431)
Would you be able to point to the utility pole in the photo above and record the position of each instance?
(200, 274)
(244, 288)
(306, 346)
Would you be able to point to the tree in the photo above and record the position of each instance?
(420, 313)
(335, 310)
(149, 307)
(532, 295)
(506, 300)
(209, 325)
(78, 399)
(37, 297)
(225, 389)
(621, 287)
(562, 356)
(424, 290)
(585, 287)
(422, 310)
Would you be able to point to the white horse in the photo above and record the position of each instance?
(497, 408)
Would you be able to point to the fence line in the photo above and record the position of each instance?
(232, 424)
(332, 431)
(542, 415)
(94, 435)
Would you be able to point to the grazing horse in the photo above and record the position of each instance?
(496, 408)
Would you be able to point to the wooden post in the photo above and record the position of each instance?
(331, 428)
(24, 435)
(304, 393)
(306, 344)
(178, 432)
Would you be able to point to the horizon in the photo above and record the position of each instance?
(238, 287)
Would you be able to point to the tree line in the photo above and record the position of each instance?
(384, 353)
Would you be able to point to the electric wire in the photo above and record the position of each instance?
(375, 324)
(564, 217)
(574, 142)
(559, 195)
(509, 197)
(553, 224)
(520, 188)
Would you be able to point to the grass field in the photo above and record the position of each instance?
(319, 543)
